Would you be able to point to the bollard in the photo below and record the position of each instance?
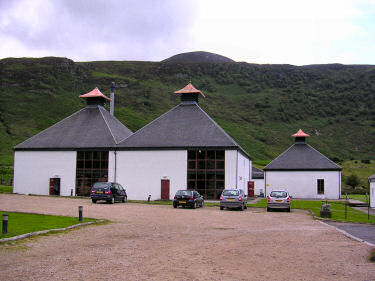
(5, 223)
(71, 192)
(80, 213)
(148, 199)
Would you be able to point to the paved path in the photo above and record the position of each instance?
(150, 242)
(365, 232)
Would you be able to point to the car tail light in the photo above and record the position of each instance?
(92, 191)
(221, 197)
(108, 192)
(239, 198)
(268, 199)
(191, 198)
(288, 199)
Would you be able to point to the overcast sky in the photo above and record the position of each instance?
(267, 31)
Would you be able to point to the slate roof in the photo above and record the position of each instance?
(90, 127)
(184, 126)
(257, 173)
(301, 156)
(372, 178)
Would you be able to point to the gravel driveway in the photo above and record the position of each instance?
(149, 242)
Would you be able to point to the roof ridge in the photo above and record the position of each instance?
(66, 118)
(222, 130)
(323, 155)
(279, 156)
(105, 120)
(148, 124)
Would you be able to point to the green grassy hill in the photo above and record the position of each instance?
(261, 106)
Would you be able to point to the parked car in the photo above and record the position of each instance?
(233, 198)
(188, 198)
(278, 199)
(108, 191)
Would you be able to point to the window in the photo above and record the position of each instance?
(206, 172)
(92, 166)
(320, 186)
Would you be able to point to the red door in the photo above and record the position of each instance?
(250, 188)
(164, 190)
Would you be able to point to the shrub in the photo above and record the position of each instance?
(352, 180)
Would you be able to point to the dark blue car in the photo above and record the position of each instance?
(108, 191)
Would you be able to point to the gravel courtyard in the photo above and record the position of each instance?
(149, 242)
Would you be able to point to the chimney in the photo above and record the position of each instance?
(112, 104)
(189, 94)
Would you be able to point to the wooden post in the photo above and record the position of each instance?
(80, 208)
(5, 223)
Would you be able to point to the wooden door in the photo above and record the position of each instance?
(164, 190)
(54, 186)
(250, 188)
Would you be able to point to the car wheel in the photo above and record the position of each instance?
(93, 201)
(221, 208)
(195, 205)
(246, 206)
(242, 207)
(124, 199)
(268, 209)
(174, 205)
(113, 200)
(202, 204)
(288, 210)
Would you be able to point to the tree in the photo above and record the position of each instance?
(352, 180)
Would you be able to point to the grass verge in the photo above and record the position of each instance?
(6, 189)
(21, 223)
(337, 208)
(359, 197)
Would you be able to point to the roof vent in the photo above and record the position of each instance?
(189, 94)
(95, 97)
(300, 136)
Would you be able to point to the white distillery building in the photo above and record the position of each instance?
(182, 149)
(372, 191)
(68, 157)
(258, 179)
(304, 172)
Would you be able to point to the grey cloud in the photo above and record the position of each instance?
(128, 29)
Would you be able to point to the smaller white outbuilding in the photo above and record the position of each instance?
(304, 172)
(372, 190)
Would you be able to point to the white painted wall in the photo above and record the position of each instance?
(111, 166)
(33, 169)
(244, 171)
(141, 172)
(258, 186)
(372, 194)
(303, 184)
(230, 169)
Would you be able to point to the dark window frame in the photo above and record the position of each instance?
(320, 186)
(209, 179)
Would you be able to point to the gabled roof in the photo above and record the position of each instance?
(90, 127)
(184, 126)
(257, 173)
(301, 156)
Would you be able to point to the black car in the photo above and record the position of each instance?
(108, 191)
(188, 198)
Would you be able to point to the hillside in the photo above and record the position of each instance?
(197, 57)
(259, 105)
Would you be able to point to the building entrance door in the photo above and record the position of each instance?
(164, 190)
(250, 189)
(54, 186)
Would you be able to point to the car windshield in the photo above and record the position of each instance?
(279, 194)
(100, 185)
(230, 193)
(184, 192)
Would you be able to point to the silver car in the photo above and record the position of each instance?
(233, 198)
(278, 199)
